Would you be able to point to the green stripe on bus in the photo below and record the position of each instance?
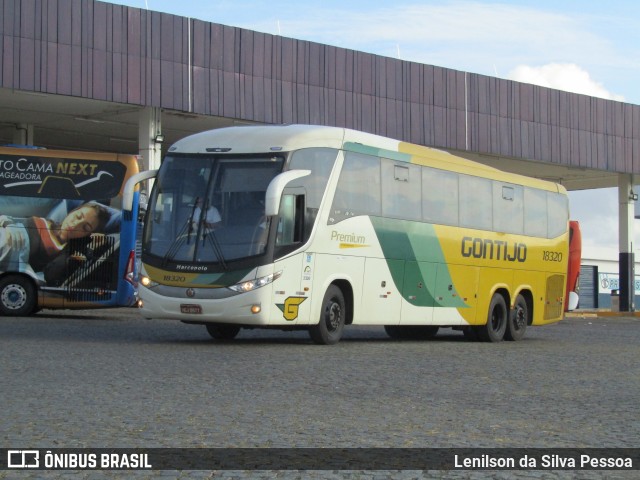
(423, 271)
(377, 152)
(224, 279)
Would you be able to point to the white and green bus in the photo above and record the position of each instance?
(318, 228)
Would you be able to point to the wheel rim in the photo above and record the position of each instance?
(497, 318)
(14, 296)
(520, 320)
(333, 316)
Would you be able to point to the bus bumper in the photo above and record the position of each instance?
(250, 308)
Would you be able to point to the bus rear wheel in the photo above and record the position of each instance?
(518, 320)
(497, 320)
(328, 331)
(18, 296)
(222, 332)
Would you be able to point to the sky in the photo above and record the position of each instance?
(583, 46)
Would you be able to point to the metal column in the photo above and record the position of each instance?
(23, 134)
(150, 140)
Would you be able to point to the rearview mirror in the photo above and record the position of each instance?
(276, 187)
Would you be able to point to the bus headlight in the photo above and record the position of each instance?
(145, 281)
(249, 285)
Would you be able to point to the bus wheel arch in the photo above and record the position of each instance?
(18, 295)
(333, 315)
(497, 318)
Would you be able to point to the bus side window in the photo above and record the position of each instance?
(291, 224)
(475, 194)
(535, 212)
(557, 214)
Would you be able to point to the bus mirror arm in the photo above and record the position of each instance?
(130, 187)
(277, 186)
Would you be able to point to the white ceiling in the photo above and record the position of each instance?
(80, 124)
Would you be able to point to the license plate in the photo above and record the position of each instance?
(190, 308)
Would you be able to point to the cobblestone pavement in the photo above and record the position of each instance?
(100, 379)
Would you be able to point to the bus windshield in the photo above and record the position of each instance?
(209, 209)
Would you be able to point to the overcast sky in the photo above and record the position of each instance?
(589, 47)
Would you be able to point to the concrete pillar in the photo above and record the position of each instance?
(150, 145)
(626, 261)
(23, 134)
(149, 128)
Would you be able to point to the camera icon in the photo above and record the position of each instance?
(23, 459)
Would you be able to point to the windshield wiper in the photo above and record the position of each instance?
(183, 236)
(215, 244)
(193, 212)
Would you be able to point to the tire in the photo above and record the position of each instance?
(497, 320)
(471, 333)
(221, 331)
(518, 319)
(328, 331)
(18, 296)
(411, 332)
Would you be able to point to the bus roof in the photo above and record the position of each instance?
(263, 138)
(276, 138)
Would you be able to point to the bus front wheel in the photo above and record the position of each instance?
(332, 318)
(222, 332)
(17, 296)
(497, 320)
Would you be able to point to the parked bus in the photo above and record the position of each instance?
(320, 227)
(64, 242)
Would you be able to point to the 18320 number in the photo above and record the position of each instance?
(549, 256)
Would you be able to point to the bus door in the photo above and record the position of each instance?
(292, 289)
